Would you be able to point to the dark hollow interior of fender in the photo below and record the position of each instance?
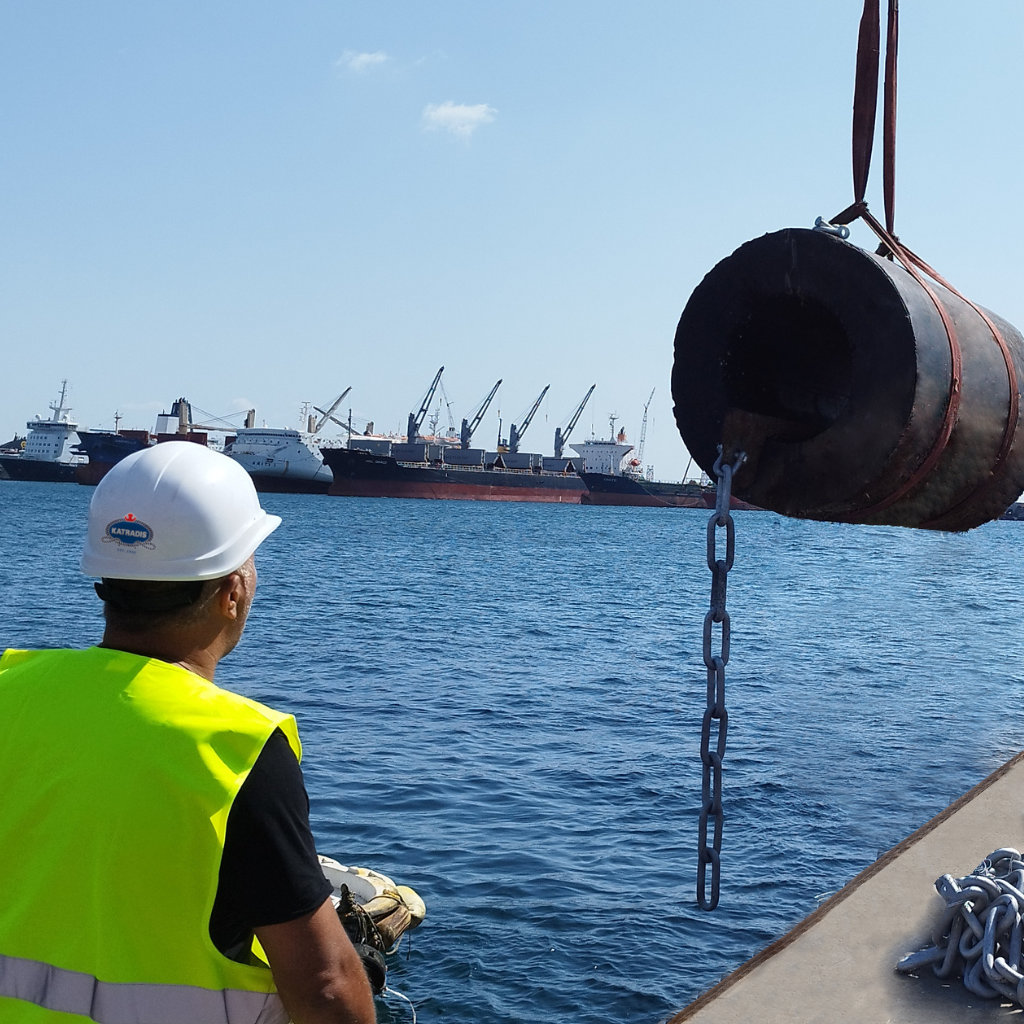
(790, 360)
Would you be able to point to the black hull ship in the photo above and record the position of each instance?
(608, 489)
(416, 474)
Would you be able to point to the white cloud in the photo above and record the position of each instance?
(360, 62)
(460, 119)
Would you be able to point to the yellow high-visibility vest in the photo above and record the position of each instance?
(117, 773)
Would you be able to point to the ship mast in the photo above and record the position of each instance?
(58, 407)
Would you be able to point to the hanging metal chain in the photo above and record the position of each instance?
(711, 760)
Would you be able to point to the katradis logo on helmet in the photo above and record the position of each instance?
(129, 532)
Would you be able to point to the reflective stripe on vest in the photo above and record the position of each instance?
(129, 1003)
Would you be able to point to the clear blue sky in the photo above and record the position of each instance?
(262, 203)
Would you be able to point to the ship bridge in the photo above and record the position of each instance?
(602, 456)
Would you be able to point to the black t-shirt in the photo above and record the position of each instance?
(269, 873)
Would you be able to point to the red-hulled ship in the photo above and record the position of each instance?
(425, 470)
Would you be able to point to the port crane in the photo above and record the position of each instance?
(515, 434)
(416, 418)
(643, 432)
(468, 427)
(561, 436)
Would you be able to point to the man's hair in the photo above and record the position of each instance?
(141, 606)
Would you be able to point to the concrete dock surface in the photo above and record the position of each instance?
(837, 965)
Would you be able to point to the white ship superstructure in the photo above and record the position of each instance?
(48, 452)
(51, 440)
(280, 453)
(603, 456)
(283, 459)
(609, 457)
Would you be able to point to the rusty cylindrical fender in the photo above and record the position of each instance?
(832, 368)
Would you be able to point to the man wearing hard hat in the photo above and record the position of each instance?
(153, 824)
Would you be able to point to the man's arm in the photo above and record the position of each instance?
(318, 973)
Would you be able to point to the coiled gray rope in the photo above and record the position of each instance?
(980, 934)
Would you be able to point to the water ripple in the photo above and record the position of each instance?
(500, 706)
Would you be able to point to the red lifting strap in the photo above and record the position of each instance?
(865, 98)
(865, 103)
(889, 116)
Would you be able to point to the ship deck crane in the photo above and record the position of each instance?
(416, 418)
(515, 434)
(561, 436)
(468, 427)
(643, 432)
(186, 424)
(347, 426)
(448, 408)
(329, 414)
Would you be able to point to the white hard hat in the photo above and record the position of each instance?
(176, 511)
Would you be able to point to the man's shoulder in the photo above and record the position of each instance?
(13, 656)
(157, 686)
(71, 663)
(16, 657)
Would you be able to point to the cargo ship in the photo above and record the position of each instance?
(420, 468)
(611, 478)
(633, 489)
(611, 481)
(104, 449)
(48, 453)
(609, 489)
(287, 461)
(15, 446)
(423, 470)
(282, 461)
(279, 460)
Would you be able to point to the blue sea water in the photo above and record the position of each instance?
(500, 706)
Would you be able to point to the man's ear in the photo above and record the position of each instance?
(231, 595)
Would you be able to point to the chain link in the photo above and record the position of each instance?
(979, 936)
(715, 714)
